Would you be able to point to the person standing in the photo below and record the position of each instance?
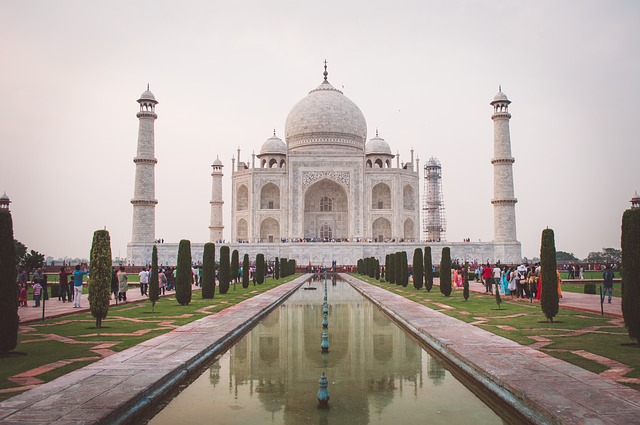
(144, 281)
(162, 281)
(41, 278)
(496, 274)
(77, 285)
(123, 284)
(23, 295)
(115, 288)
(37, 291)
(488, 281)
(63, 279)
(607, 275)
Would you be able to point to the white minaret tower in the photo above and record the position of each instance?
(433, 208)
(216, 228)
(504, 202)
(144, 194)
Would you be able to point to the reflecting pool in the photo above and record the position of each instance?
(377, 373)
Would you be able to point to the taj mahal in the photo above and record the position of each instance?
(324, 186)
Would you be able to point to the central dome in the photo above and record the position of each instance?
(325, 118)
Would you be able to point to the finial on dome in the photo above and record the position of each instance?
(376, 132)
(274, 132)
(147, 86)
(325, 73)
(499, 87)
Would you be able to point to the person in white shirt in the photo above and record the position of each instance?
(497, 273)
(144, 281)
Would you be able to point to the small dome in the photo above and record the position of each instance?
(217, 162)
(377, 146)
(500, 96)
(273, 146)
(6, 198)
(147, 95)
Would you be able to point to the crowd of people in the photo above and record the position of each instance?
(523, 281)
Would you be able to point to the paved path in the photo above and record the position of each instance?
(575, 301)
(55, 308)
(114, 389)
(545, 389)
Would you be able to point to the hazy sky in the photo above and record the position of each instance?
(226, 73)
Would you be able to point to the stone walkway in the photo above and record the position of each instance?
(113, 389)
(55, 308)
(546, 389)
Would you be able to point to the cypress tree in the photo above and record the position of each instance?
(391, 273)
(184, 275)
(100, 282)
(283, 267)
(428, 269)
(404, 270)
(630, 244)
(445, 272)
(235, 265)
(209, 271)
(245, 270)
(397, 267)
(154, 285)
(276, 269)
(224, 269)
(377, 268)
(260, 269)
(418, 272)
(372, 267)
(465, 279)
(360, 266)
(549, 300)
(293, 266)
(8, 276)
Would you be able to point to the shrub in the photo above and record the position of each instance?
(428, 269)
(245, 270)
(549, 300)
(224, 269)
(397, 267)
(404, 268)
(589, 288)
(377, 266)
(445, 272)
(260, 269)
(8, 276)
(235, 265)
(184, 275)
(284, 267)
(276, 271)
(630, 244)
(391, 273)
(418, 272)
(100, 282)
(154, 285)
(209, 271)
(465, 289)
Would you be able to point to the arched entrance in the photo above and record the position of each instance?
(326, 215)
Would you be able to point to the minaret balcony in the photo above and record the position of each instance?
(511, 201)
(144, 202)
(145, 160)
(509, 160)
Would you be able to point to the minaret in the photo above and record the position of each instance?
(144, 202)
(216, 228)
(504, 202)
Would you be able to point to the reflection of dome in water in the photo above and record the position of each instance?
(435, 371)
(325, 117)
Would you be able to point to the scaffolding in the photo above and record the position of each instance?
(434, 222)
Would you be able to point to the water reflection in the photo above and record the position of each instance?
(375, 371)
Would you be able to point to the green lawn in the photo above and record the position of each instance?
(579, 287)
(606, 337)
(129, 324)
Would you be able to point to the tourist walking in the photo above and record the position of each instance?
(41, 278)
(162, 282)
(607, 275)
(123, 284)
(488, 280)
(77, 285)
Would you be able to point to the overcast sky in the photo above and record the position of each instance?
(226, 73)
